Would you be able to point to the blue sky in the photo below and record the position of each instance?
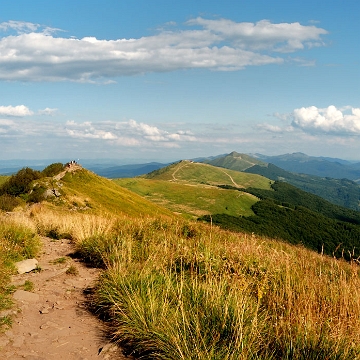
(168, 80)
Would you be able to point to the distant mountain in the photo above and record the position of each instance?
(319, 166)
(235, 161)
(126, 171)
(341, 191)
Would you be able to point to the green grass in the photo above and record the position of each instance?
(60, 260)
(193, 200)
(18, 241)
(198, 173)
(72, 270)
(28, 285)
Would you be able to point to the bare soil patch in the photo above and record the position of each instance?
(51, 321)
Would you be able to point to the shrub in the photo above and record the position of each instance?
(37, 194)
(20, 183)
(53, 169)
(8, 202)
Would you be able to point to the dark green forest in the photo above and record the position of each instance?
(343, 192)
(290, 214)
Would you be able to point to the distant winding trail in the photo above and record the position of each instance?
(232, 180)
(177, 169)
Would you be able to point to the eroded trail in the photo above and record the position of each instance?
(52, 321)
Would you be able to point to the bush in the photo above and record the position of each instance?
(20, 183)
(8, 202)
(53, 169)
(37, 195)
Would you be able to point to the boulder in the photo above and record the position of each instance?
(26, 265)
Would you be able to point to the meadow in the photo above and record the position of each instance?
(175, 289)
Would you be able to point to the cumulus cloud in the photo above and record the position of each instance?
(19, 110)
(129, 133)
(36, 54)
(329, 120)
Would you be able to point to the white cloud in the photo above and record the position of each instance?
(6, 122)
(129, 133)
(283, 37)
(48, 112)
(270, 128)
(37, 55)
(327, 120)
(19, 110)
(19, 26)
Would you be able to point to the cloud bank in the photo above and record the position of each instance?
(316, 121)
(328, 120)
(34, 53)
(128, 133)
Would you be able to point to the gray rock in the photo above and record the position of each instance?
(48, 193)
(22, 295)
(26, 265)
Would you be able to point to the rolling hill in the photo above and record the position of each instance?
(342, 192)
(193, 189)
(235, 161)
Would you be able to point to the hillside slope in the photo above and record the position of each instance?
(83, 190)
(191, 172)
(192, 189)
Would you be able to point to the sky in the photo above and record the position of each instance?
(165, 80)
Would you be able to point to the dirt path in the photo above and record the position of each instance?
(232, 180)
(52, 321)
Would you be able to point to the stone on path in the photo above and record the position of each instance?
(22, 295)
(26, 265)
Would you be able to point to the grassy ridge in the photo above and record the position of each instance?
(84, 189)
(235, 161)
(192, 189)
(193, 200)
(198, 173)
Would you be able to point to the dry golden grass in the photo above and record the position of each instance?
(184, 290)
